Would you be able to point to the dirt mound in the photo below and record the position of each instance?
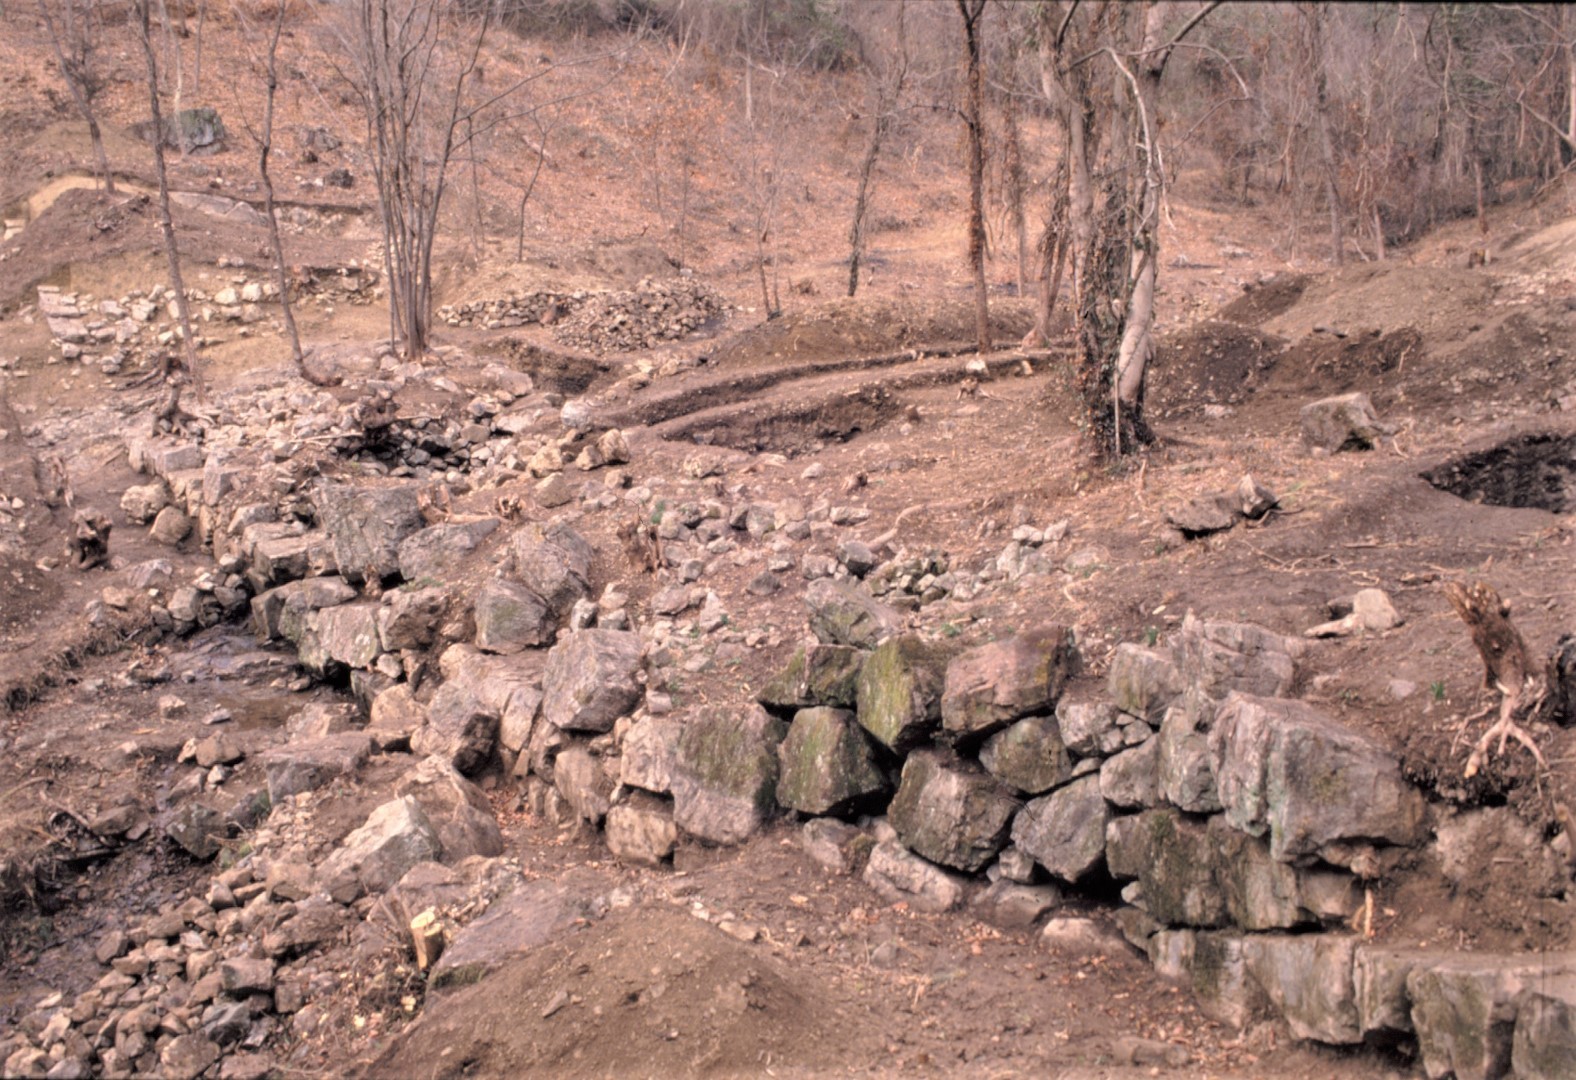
(657, 993)
(1262, 301)
(1212, 362)
(857, 327)
(1327, 364)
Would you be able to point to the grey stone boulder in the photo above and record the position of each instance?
(395, 837)
(1186, 773)
(171, 526)
(1012, 906)
(321, 718)
(460, 729)
(409, 618)
(1088, 728)
(842, 614)
(1308, 979)
(142, 502)
(366, 525)
(1213, 965)
(1130, 780)
(518, 719)
(650, 749)
(511, 618)
(1283, 768)
(1543, 1046)
(347, 634)
(1143, 682)
(583, 782)
(725, 773)
(1379, 974)
(308, 764)
(835, 845)
(1203, 515)
(198, 829)
(456, 808)
(1344, 422)
(990, 686)
(899, 691)
(1028, 756)
(903, 877)
(396, 716)
(950, 811)
(816, 675)
(1065, 830)
(828, 764)
(1218, 658)
(554, 563)
(1467, 841)
(1464, 1008)
(641, 830)
(592, 679)
(434, 554)
(282, 612)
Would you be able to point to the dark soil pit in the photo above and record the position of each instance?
(1537, 471)
(795, 430)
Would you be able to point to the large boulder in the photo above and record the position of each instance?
(1308, 978)
(1544, 1044)
(951, 812)
(990, 686)
(1262, 893)
(1172, 858)
(410, 617)
(650, 749)
(828, 764)
(1345, 422)
(554, 563)
(842, 614)
(1283, 768)
(459, 729)
(592, 680)
(1464, 1008)
(583, 782)
(1028, 756)
(434, 554)
(641, 830)
(816, 675)
(282, 612)
(347, 635)
(899, 691)
(1131, 780)
(459, 813)
(511, 618)
(725, 773)
(395, 837)
(1065, 830)
(1212, 963)
(367, 525)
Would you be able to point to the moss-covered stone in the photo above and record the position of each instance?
(818, 675)
(1028, 756)
(1173, 859)
(725, 774)
(828, 764)
(899, 692)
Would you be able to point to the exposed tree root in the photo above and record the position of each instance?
(1507, 667)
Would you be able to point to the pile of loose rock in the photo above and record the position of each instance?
(602, 321)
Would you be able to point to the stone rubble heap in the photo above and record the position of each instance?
(652, 313)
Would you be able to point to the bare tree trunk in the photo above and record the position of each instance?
(265, 146)
(166, 224)
(973, 12)
(1012, 167)
(1314, 15)
(76, 69)
(856, 231)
